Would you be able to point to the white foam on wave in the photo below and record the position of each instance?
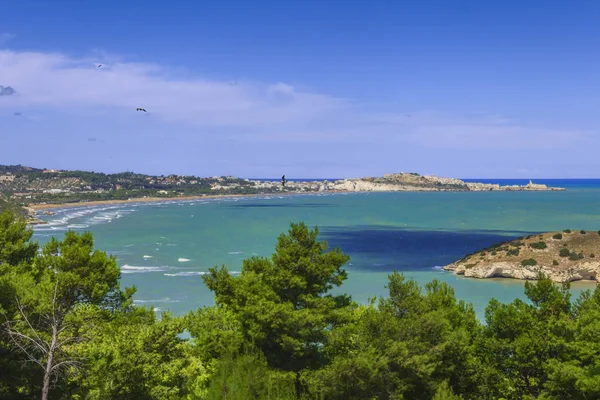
(137, 269)
(82, 217)
(163, 300)
(235, 252)
(183, 259)
(77, 226)
(145, 256)
(187, 273)
(438, 268)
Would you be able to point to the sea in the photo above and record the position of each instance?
(164, 248)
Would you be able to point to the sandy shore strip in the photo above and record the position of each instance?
(156, 200)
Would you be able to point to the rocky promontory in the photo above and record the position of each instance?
(412, 182)
(563, 256)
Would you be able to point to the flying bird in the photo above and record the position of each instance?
(140, 109)
(17, 114)
(99, 65)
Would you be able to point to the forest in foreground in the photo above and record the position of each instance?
(68, 330)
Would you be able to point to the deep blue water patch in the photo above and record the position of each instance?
(385, 248)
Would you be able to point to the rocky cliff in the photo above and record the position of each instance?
(562, 256)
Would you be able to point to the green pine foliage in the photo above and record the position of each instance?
(277, 331)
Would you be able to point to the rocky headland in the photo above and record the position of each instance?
(412, 182)
(569, 255)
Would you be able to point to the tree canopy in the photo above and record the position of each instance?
(276, 331)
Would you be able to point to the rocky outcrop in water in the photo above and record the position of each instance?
(562, 256)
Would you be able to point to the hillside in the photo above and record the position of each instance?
(563, 256)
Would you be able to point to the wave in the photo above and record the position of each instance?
(187, 273)
(134, 269)
(183, 259)
(147, 256)
(163, 300)
(83, 217)
(438, 268)
(77, 226)
(235, 252)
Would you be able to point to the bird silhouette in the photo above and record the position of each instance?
(99, 65)
(17, 114)
(140, 109)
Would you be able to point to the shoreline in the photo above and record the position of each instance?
(48, 206)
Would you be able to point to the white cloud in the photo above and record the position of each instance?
(262, 112)
(54, 80)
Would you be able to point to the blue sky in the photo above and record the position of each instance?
(485, 89)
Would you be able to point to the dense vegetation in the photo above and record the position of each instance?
(32, 185)
(69, 331)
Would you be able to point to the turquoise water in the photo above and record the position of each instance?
(163, 248)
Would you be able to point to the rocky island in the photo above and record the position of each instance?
(563, 256)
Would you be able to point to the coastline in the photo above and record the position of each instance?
(48, 206)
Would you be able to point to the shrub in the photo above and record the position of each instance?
(566, 230)
(554, 262)
(582, 232)
(494, 253)
(469, 266)
(528, 262)
(592, 255)
(575, 256)
(483, 253)
(564, 253)
(513, 252)
(598, 232)
(557, 236)
(538, 245)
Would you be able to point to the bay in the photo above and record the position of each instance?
(164, 248)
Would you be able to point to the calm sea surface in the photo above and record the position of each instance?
(164, 248)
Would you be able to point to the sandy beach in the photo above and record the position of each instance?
(152, 200)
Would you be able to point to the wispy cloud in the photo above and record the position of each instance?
(54, 80)
(247, 121)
